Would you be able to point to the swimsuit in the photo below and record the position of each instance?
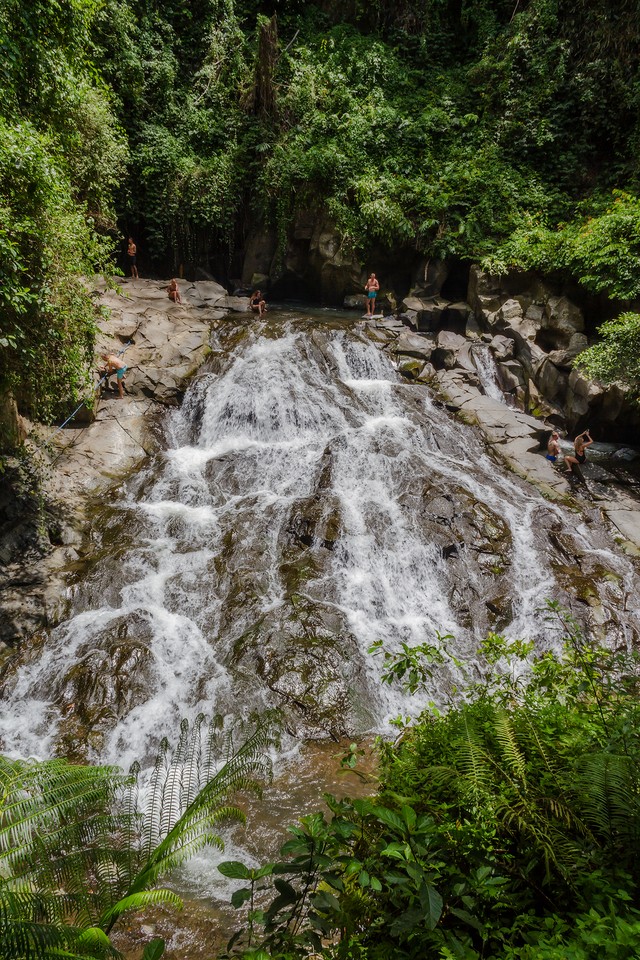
(131, 257)
(371, 294)
(581, 457)
(120, 372)
(551, 457)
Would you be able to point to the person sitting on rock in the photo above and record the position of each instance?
(580, 446)
(257, 303)
(553, 447)
(174, 292)
(113, 364)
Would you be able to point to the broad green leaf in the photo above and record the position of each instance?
(153, 950)
(234, 870)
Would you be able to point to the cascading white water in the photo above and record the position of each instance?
(488, 373)
(309, 503)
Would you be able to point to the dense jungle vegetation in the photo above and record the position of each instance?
(504, 131)
(507, 828)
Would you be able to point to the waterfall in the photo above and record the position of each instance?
(308, 503)
(488, 373)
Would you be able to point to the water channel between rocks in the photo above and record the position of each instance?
(308, 502)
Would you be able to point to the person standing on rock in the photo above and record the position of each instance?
(553, 447)
(174, 292)
(132, 256)
(257, 303)
(580, 446)
(371, 288)
(113, 364)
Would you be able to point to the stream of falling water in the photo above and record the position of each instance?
(308, 503)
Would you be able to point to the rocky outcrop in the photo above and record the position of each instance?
(42, 527)
(548, 332)
(452, 364)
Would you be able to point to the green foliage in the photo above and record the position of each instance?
(616, 357)
(61, 158)
(507, 827)
(77, 852)
(600, 247)
(487, 130)
(414, 666)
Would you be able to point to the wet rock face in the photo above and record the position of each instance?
(104, 685)
(475, 545)
(36, 538)
(302, 653)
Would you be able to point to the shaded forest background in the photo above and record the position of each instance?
(503, 131)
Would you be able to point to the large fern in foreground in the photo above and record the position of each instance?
(78, 850)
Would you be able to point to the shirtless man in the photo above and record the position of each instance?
(371, 288)
(114, 364)
(174, 292)
(580, 446)
(553, 447)
(132, 255)
(257, 303)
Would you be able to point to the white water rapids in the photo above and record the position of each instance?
(308, 503)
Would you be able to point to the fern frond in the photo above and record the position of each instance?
(137, 901)
(193, 828)
(153, 813)
(172, 787)
(506, 737)
(473, 761)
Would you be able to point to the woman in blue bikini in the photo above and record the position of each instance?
(371, 289)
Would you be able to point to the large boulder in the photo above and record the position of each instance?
(456, 316)
(512, 376)
(259, 252)
(428, 313)
(429, 278)
(485, 291)
(335, 270)
(564, 318)
(502, 347)
(551, 381)
(447, 346)
(413, 345)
